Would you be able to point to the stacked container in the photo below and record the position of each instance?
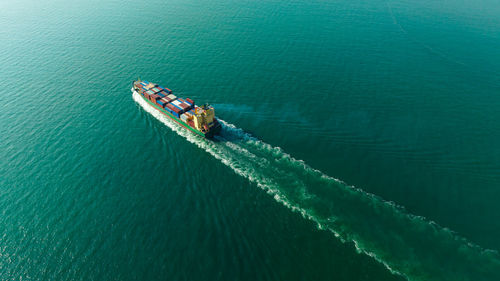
(172, 109)
(185, 109)
(139, 87)
(154, 97)
(167, 99)
(184, 105)
(164, 100)
(184, 117)
(161, 103)
(176, 104)
(172, 97)
(166, 90)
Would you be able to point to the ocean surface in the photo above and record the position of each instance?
(361, 140)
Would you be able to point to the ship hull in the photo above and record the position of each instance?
(210, 134)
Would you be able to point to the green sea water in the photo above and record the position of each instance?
(360, 141)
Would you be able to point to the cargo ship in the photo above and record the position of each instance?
(197, 119)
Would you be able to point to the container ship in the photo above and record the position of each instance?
(197, 119)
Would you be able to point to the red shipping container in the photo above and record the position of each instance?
(190, 101)
(171, 107)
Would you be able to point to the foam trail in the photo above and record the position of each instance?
(408, 245)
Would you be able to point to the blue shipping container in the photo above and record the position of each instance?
(176, 106)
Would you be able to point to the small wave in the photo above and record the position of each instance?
(407, 245)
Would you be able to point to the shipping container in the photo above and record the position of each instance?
(176, 106)
(182, 103)
(184, 117)
(167, 90)
(174, 111)
(183, 109)
(171, 107)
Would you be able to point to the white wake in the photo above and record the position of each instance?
(376, 227)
